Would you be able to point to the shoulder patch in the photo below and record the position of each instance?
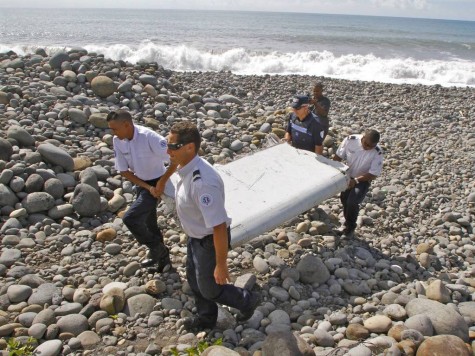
(206, 200)
(196, 175)
(163, 144)
(352, 137)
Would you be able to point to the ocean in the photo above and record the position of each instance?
(382, 49)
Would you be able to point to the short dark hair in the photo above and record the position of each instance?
(373, 136)
(119, 115)
(187, 132)
(318, 85)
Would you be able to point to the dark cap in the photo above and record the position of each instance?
(299, 100)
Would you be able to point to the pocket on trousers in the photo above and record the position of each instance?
(207, 243)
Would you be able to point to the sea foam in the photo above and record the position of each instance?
(455, 72)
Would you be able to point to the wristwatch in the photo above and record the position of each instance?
(356, 180)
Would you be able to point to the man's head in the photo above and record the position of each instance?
(370, 139)
(184, 142)
(300, 105)
(121, 124)
(317, 90)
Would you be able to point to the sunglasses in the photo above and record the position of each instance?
(175, 146)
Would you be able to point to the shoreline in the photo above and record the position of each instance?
(413, 258)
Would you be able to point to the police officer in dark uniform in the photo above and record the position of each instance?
(200, 206)
(303, 130)
(364, 158)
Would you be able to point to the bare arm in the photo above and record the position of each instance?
(319, 149)
(160, 186)
(136, 180)
(287, 137)
(337, 158)
(368, 177)
(220, 239)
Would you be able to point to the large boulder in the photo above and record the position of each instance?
(73, 323)
(443, 345)
(22, 136)
(312, 270)
(7, 196)
(103, 86)
(14, 63)
(37, 201)
(141, 303)
(77, 115)
(6, 149)
(148, 79)
(57, 59)
(285, 343)
(56, 156)
(99, 120)
(86, 200)
(226, 98)
(445, 319)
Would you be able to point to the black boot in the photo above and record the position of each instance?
(153, 256)
(158, 258)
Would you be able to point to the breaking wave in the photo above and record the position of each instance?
(455, 72)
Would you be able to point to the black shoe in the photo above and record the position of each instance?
(244, 315)
(348, 234)
(193, 323)
(155, 258)
(163, 262)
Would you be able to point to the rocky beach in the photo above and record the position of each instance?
(70, 278)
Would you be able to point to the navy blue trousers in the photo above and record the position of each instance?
(141, 219)
(351, 200)
(200, 265)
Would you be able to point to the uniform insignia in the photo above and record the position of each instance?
(196, 175)
(206, 199)
(163, 144)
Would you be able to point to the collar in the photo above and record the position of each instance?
(184, 171)
(136, 131)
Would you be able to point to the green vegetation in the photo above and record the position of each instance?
(16, 348)
(198, 349)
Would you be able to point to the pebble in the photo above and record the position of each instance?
(66, 255)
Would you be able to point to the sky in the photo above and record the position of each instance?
(441, 9)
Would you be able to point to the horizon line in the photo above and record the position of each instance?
(228, 10)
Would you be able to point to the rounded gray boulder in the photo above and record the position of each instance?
(7, 196)
(34, 183)
(77, 115)
(54, 187)
(6, 149)
(103, 86)
(312, 270)
(38, 201)
(56, 156)
(57, 59)
(22, 136)
(86, 200)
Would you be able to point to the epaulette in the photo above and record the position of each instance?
(352, 137)
(196, 175)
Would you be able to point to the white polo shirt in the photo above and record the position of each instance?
(359, 160)
(145, 155)
(199, 198)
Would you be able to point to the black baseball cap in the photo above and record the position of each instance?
(299, 100)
